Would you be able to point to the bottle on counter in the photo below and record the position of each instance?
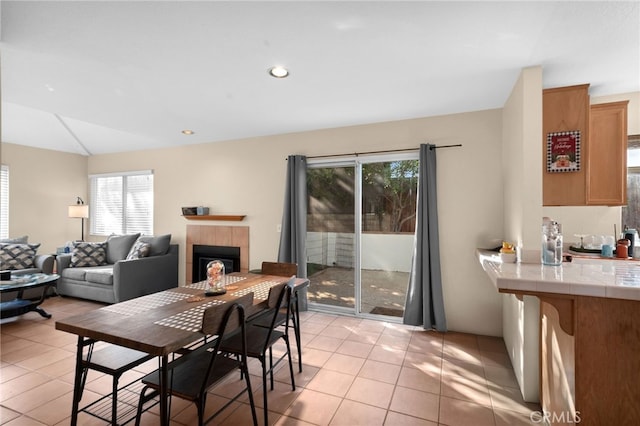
(551, 253)
(631, 235)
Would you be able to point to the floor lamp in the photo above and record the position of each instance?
(79, 210)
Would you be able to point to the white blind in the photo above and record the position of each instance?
(4, 202)
(122, 204)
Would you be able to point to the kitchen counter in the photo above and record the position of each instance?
(589, 334)
(584, 276)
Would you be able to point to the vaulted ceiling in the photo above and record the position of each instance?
(94, 77)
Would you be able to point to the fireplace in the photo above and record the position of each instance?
(220, 236)
(203, 254)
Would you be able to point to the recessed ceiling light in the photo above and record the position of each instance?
(187, 132)
(278, 72)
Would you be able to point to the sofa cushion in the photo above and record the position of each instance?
(19, 240)
(18, 256)
(88, 254)
(74, 273)
(159, 244)
(99, 276)
(118, 247)
(139, 250)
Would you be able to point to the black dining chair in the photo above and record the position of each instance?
(109, 359)
(284, 269)
(195, 372)
(260, 340)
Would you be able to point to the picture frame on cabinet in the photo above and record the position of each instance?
(563, 151)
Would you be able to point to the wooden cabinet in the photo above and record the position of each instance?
(565, 109)
(602, 178)
(607, 164)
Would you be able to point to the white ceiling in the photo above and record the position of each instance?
(95, 77)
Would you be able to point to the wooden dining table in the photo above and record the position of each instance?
(163, 323)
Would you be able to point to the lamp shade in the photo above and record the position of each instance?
(79, 210)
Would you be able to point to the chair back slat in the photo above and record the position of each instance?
(275, 297)
(213, 319)
(281, 269)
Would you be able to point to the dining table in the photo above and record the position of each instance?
(164, 323)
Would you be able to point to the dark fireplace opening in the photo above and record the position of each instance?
(203, 254)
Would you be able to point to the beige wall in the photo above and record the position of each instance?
(247, 177)
(43, 184)
(522, 156)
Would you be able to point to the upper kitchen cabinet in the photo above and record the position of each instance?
(565, 110)
(607, 167)
(584, 149)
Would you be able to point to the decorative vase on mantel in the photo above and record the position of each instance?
(215, 278)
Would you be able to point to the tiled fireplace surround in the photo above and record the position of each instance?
(230, 236)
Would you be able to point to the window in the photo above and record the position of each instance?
(4, 202)
(122, 203)
(631, 212)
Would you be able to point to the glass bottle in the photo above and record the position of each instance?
(551, 243)
(215, 277)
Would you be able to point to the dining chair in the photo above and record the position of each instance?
(281, 269)
(260, 340)
(284, 269)
(109, 359)
(192, 374)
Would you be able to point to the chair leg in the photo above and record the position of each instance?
(271, 367)
(200, 408)
(143, 399)
(114, 402)
(250, 392)
(296, 330)
(293, 381)
(264, 390)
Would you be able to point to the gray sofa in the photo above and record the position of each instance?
(118, 278)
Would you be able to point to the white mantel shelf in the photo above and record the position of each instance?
(584, 276)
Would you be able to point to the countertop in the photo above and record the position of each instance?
(584, 276)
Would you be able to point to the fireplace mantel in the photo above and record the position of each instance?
(233, 236)
(227, 217)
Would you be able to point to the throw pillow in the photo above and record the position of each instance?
(139, 250)
(17, 256)
(159, 244)
(118, 247)
(19, 240)
(88, 254)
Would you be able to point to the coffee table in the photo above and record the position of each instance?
(20, 283)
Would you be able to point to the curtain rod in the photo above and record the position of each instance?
(381, 152)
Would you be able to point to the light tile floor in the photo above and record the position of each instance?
(355, 372)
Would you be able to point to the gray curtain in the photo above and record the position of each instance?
(293, 234)
(424, 305)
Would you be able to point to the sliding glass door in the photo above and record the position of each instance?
(360, 228)
(331, 235)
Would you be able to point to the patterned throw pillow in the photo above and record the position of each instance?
(88, 254)
(17, 256)
(139, 250)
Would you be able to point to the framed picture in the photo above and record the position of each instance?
(563, 151)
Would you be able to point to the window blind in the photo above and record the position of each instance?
(121, 203)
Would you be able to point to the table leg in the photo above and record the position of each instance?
(77, 383)
(164, 397)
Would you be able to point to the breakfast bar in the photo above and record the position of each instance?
(589, 334)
